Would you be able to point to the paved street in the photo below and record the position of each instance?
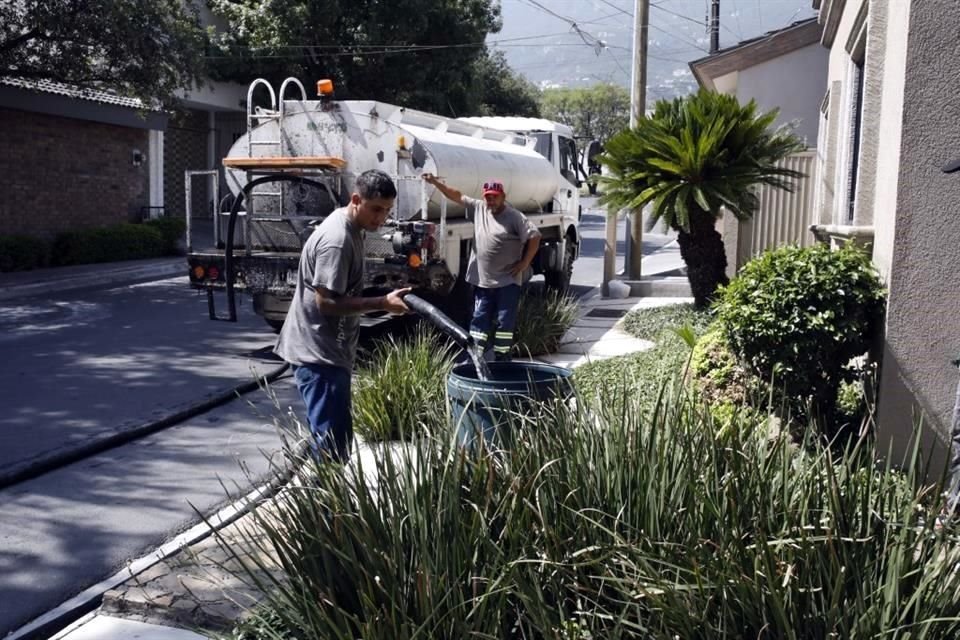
(69, 529)
(588, 269)
(80, 366)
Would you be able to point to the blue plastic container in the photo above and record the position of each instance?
(487, 408)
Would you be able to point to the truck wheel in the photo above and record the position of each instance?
(560, 280)
(276, 325)
(592, 188)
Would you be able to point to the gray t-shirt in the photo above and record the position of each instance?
(332, 259)
(498, 243)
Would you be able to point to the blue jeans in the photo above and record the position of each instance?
(326, 393)
(495, 311)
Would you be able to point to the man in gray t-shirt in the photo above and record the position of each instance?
(504, 244)
(319, 335)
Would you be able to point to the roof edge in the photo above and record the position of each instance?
(752, 52)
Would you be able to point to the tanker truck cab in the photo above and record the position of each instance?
(561, 236)
(298, 161)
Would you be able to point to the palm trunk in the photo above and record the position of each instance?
(702, 251)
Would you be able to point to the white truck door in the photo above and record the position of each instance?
(569, 192)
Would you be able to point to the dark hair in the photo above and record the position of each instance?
(374, 184)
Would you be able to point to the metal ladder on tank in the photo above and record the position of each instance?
(254, 119)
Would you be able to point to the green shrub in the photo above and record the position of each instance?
(22, 253)
(797, 316)
(172, 230)
(400, 389)
(108, 244)
(619, 524)
(644, 374)
(542, 319)
(647, 324)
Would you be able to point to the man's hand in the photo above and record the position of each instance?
(519, 268)
(429, 178)
(393, 301)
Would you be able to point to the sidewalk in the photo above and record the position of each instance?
(183, 586)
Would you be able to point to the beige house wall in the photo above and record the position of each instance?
(890, 123)
(911, 128)
(922, 328)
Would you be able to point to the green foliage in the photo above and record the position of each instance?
(694, 155)
(143, 48)
(22, 253)
(108, 244)
(596, 112)
(644, 374)
(797, 316)
(406, 52)
(172, 230)
(622, 523)
(648, 324)
(400, 390)
(501, 90)
(542, 319)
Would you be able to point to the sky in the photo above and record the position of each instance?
(540, 41)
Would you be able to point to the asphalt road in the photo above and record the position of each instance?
(79, 366)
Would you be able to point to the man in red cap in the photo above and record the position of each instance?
(504, 244)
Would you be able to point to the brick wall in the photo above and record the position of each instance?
(185, 149)
(58, 174)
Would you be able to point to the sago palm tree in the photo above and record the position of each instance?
(693, 157)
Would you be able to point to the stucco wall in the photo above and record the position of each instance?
(922, 329)
(888, 132)
(794, 82)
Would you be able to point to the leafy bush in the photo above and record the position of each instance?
(172, 230)
(400, 390)
(22, 253)
(799, 315)
(622, 524)
(108, 244)
(542, 319)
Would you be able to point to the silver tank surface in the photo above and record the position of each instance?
(405, 144)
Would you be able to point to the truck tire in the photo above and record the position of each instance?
(276, 325)
(560, 280)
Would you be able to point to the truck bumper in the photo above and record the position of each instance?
(276, 274)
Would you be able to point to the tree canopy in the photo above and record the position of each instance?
(140, 48)
(427, 54)
(596, 112)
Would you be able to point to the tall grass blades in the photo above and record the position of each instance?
(618, 523)
(400, 390)
(542, 319)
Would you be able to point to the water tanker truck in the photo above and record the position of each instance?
(299, 158)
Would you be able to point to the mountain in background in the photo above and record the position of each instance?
(541, 43)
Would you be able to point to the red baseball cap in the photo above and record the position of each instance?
(492, 187)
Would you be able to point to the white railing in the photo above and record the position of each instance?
(782, 218)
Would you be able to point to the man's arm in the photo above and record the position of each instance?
(529, 251)
(330, 305)
(451, 193)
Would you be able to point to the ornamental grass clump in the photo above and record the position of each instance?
(542, 319)
(619, 523)
(400, 388)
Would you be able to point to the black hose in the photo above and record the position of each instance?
(231, 226)
(439, 319)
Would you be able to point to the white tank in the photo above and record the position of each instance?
(405, 144)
